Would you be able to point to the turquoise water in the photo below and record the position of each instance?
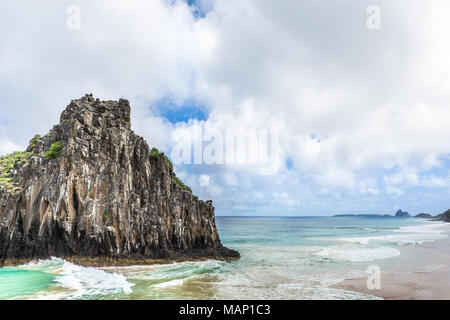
(282, 258)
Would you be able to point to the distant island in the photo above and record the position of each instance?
(443, 216)
(402, 214)
(362, 215)
(424, 216)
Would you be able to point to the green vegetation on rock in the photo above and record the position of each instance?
(7, 164)
(181, 184)
(154, 154)
(34, 140)
(49, 133)
(169, 162)
(54, 151)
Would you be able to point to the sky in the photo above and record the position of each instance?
(362, 114)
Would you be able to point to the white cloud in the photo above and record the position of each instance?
(394, 191)
(350, 103)
(230, 180)
(286, 199)
(7, 146)
(434, 181)
(404, 178)
(204, 180)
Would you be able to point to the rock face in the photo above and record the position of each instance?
(443, 216)
(402, 214)
(424, 216)
(92, 188)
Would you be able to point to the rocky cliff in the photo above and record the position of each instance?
(402, 214)
(92, 189)
(445, 216)
(424, 216)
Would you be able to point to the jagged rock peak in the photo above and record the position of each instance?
(402, 214)
(112, 112)
(91, 188)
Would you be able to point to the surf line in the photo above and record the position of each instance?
(190, 310)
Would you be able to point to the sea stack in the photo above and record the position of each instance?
(402, 214)
(92, 190)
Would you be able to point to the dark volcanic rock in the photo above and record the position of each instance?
(101, 193)
(424, 216)
(443, 216)
(402, 214)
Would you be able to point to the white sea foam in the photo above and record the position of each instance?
(44, 295)
(172, 283)
(351, 253)
(265, 272)
(83, 282)
(409, 235)
(282, 283)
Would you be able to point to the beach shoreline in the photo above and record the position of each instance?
(282, 258)
(420, 284)
(101, 262)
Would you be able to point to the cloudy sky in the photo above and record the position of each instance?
(363, 114)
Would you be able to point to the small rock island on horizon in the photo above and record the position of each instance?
(403, 214)
(91, 191)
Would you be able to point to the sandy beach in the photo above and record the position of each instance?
(429, 278)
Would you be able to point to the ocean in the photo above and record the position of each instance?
(282, 258)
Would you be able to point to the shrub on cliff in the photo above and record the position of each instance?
(7, 164)
(34, 140)
(181, 184)
(169, 162)
(154, 154)
(54, 151)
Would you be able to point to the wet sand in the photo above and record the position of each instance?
(434, 285)
(430, 280)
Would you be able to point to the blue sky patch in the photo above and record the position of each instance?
(198, 10)
(289, 164)
(4, 122)
(175, 111)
